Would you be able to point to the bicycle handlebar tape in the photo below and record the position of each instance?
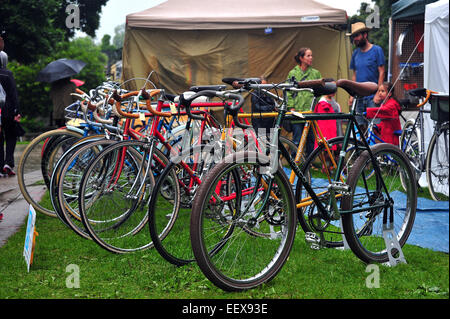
(234, 108)
(116, 96)
(356, 88)
(186, 102)
(79, 91)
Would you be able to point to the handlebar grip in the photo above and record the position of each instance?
(79, 91)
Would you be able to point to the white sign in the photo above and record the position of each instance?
(30, 237)
(310, 19)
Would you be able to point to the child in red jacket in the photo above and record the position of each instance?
(388, 112)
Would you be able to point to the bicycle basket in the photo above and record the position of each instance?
(439, 108)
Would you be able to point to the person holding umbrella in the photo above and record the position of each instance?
(58, 73)
(60, 94)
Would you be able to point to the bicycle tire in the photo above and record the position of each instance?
(29, 170)
(437, 163)
(252, 264)
(364, 230)
(169, 217)
(64, 186)
(409, 143)
(114, 218)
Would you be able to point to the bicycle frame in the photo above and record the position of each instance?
(326, 212)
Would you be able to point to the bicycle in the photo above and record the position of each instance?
(412, 142)
(165, 208)
(119, 228)
(241, 240)
(42, 153)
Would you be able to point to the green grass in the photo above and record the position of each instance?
(308, 274)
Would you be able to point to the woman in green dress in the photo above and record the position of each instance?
(301, 101)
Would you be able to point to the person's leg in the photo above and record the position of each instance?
(297, 130)
(11, 139)
(309, 147)
(2, 151)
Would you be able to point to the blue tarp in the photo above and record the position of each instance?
(431, 225)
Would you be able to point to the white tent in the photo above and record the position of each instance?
(436, 57)
(436, 69)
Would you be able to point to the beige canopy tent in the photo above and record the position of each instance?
(199, 42)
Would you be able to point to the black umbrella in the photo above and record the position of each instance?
(60, 69)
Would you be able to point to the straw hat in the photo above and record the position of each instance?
(358, 27)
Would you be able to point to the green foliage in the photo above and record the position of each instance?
(89, 16)
(308, 274)
(34, 96)
(35, 27)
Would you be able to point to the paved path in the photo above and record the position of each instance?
(12, 204)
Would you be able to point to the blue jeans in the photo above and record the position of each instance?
(297, 131)
(361, 106)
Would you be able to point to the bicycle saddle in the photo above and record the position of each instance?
(199, 88)
(327, 88)
(241, 80)
(357, 89)
(420, 92)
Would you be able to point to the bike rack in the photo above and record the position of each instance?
(390, 238)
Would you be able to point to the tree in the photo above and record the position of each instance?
(90, 11)
(110, 51)
(119, 36)
(34, 96)
(34, 27)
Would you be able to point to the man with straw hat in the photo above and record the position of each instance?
(367, 64)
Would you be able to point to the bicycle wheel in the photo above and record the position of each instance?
(410, 144)
(240, 237)
(66, 179)
(113, 196)
(170, 204)
(364, 229)
(29, 170)
(320, 170)
(437, 165)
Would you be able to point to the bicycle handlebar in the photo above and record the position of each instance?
(232, 109)
(119, 98)
(427, 97)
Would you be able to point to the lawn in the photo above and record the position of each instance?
(61, 258)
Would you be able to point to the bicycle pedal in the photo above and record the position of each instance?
(340, 188)
(313, 239)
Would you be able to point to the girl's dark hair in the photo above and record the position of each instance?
(390, 89)
(300, 53)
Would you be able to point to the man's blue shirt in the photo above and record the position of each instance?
(366, 64)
